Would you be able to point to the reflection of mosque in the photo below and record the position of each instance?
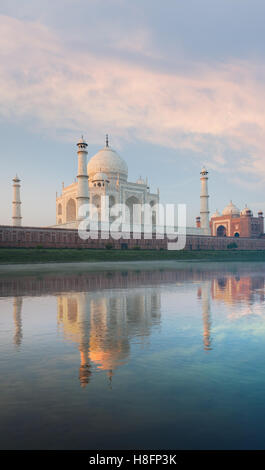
(104, 324)
(229, 290)
(236, 289)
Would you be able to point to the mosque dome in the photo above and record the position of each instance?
(107, 161)
(246, 211)
(231, 209)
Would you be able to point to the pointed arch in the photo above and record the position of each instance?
(70, 210)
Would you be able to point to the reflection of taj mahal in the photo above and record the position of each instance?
(103, 326)
(105, 322)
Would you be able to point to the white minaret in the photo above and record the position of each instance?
(204, 212)
(16, 216)
(82, 178)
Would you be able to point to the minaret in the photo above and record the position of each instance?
(16, 203)
(82, 178)
(204, 212)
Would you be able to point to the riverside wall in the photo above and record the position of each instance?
(30, 237)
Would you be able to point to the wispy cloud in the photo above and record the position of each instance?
(215, 111)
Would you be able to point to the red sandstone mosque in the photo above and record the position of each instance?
(235, 223)
(232, 222)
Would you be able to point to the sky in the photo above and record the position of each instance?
(176, 85)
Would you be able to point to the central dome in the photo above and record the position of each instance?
(109, 162)
(231, 209)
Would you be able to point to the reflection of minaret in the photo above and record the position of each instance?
(73, 314)
(83, 320)
(204, 294)
(17, 307)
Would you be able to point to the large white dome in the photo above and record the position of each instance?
(109, 162)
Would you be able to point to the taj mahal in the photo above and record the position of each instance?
(105, 176)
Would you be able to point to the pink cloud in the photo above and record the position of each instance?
(65, 91)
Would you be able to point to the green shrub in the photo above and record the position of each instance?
(108, 246)
(231, 245)
(136, 247)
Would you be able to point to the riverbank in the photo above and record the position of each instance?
(36, 255)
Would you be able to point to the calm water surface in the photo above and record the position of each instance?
(132, 355)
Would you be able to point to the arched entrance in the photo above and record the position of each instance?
(133, 215)
(154, 213)
(236, 234)
(96, 210)
(221, 231)
(70, 210)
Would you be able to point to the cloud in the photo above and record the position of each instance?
(215, 111)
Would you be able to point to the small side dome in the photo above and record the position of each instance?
(216, 214)
(246, 211)
(140, 181)
(100, 177)
(231, 209)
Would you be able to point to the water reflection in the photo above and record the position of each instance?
(203, 293)
(103, 322)
(235, 289)
(103, 326)
(17, 308)
(133, 357)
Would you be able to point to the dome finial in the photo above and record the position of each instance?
(107, 140)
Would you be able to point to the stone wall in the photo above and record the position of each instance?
(30, 237)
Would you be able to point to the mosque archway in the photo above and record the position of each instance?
(134, 210)
(70, 210)
(96, 201)
(236, 234)
(111, 201)
(221, 231)
(59, 209)
(154, 213)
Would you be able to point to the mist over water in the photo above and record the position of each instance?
(132, 355)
